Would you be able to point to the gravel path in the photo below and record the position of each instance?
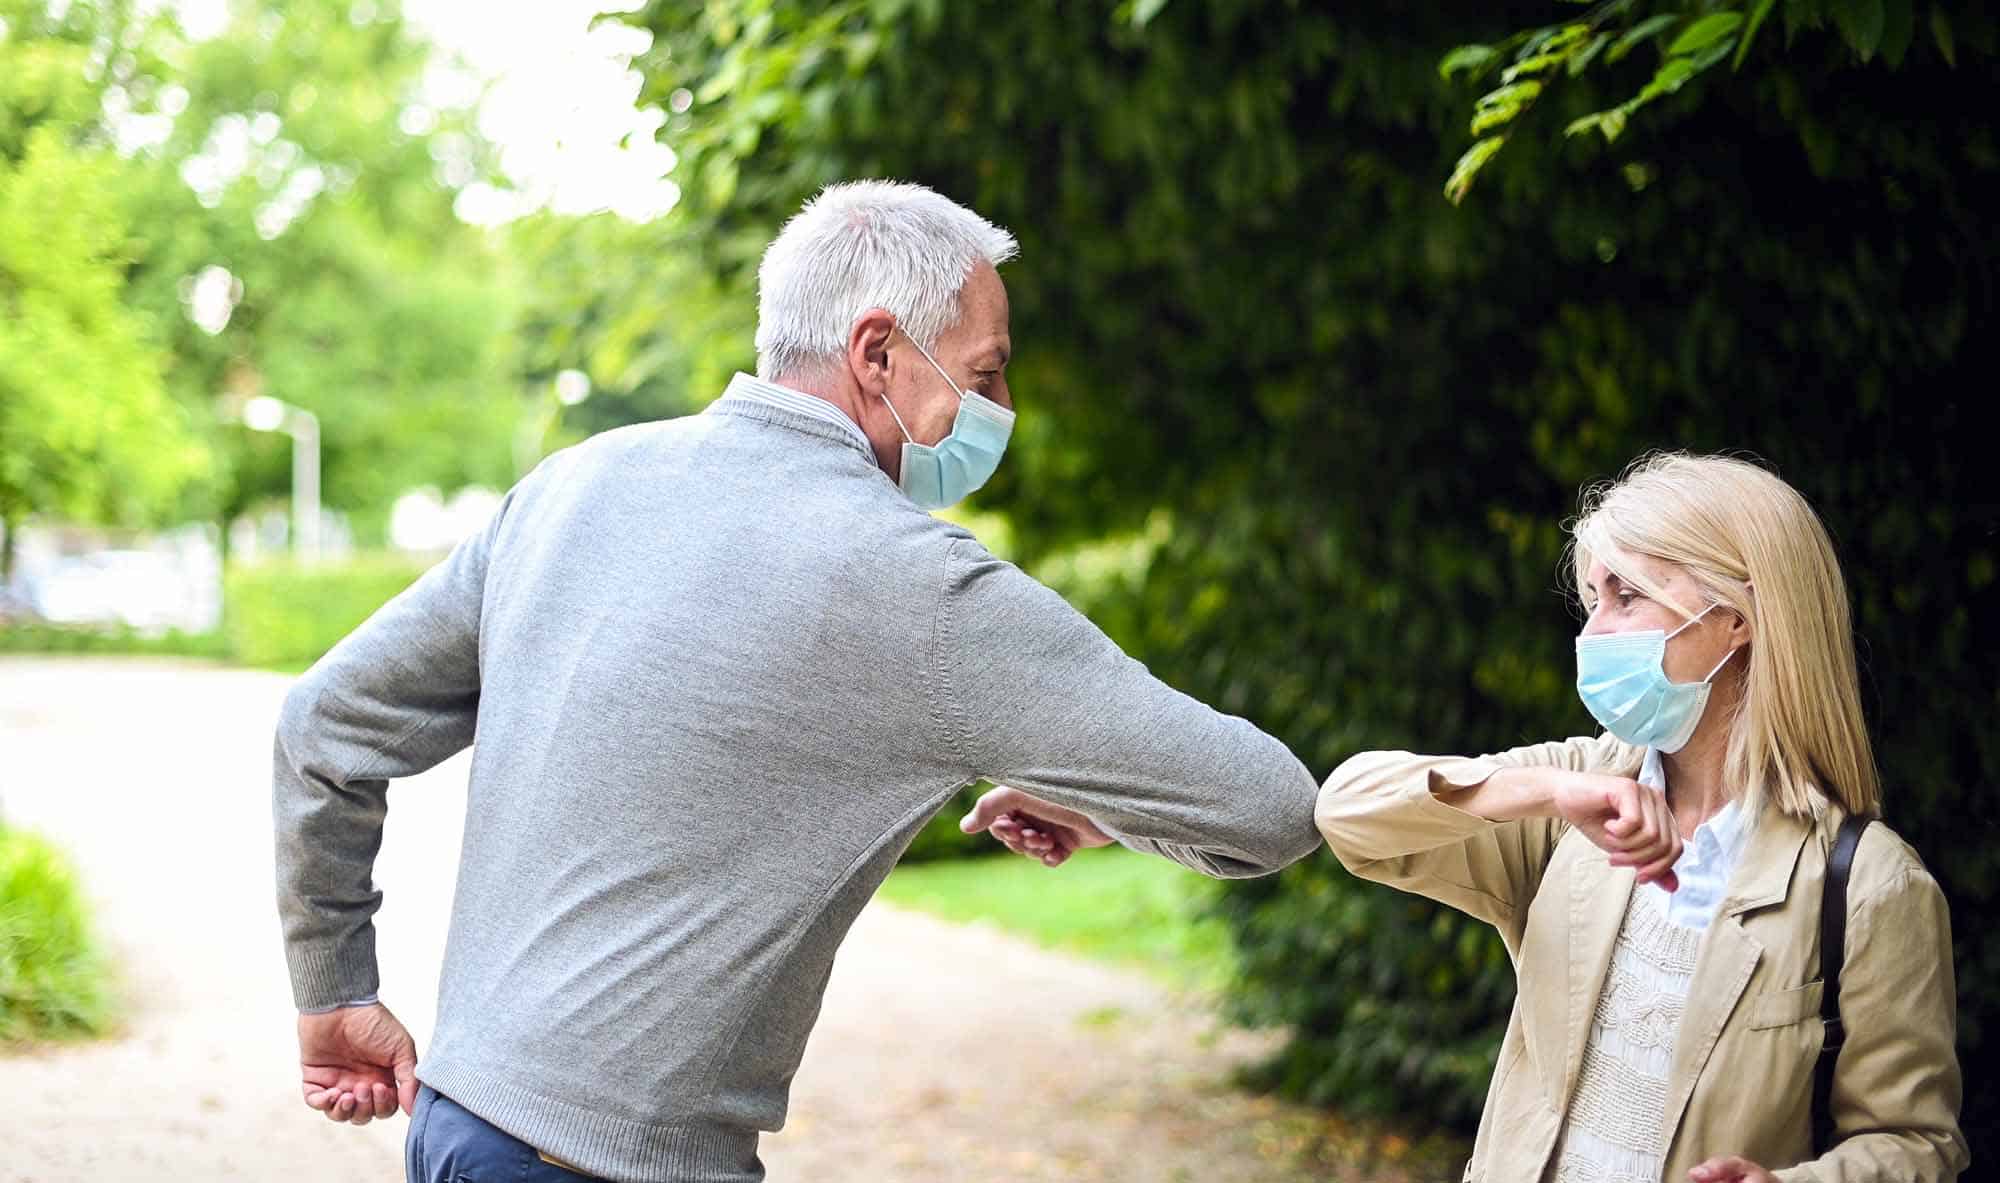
(943, 1052)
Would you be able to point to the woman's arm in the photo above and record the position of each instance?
(1896, 1086)
(1477, 833)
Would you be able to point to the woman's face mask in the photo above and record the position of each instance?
(1622, 679)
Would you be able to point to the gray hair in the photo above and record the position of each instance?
(862, 245)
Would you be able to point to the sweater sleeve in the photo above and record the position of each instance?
(397, 696)
(1033, 695)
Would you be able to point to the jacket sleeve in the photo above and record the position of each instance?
(1033, 695)
(1380, 813)
(395, 697)
(1896, 1085)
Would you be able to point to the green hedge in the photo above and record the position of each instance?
(1242, 301)
(284, 616)
(54, 979)
(59, 639)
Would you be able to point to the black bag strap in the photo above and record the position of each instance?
(1832, 955)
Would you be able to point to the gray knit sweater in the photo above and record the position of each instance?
(721, 670)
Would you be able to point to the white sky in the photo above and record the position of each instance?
(560, 98)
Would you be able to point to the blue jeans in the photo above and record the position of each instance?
(448, 1143)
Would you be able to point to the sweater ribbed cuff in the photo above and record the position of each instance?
(327, 976)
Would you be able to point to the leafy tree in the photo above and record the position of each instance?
(308, 164)
(86, 427)
(1363, 413)
(629, 306)
(1693, 38)
(269, 210)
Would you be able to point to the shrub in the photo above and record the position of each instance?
(284, 616)
(54, 980)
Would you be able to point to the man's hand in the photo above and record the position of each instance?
(1629, 821)
(357, 1063)
(1729, 1168)
(1033, 827)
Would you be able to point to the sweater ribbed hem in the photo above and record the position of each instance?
(601, 1144)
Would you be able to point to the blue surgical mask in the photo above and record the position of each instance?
(1622, 679)
(945, 473)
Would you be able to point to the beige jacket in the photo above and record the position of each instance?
(1741, 1076)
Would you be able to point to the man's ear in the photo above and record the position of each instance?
(868, 349)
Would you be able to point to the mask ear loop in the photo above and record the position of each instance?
(962, 395)
(1691, 621)
(907, 437)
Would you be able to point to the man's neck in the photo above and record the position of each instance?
(845, 398)
(848, 399)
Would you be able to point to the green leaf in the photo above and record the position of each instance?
(1467, 58)
(1612, 124)
(1533, 65)
(1521, 93)
(1757, 16)
(1588, 54)
(1649, 27)
(1491, 117)
(1706, 32)
(1713, 54)
(1861, 22)
(1672, 74)
(1565, 37)
(1588, 123)
(1941, 33)
(1468, 167)
(1143, 12)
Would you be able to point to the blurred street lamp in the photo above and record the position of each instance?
(572, 387)
(265, 413)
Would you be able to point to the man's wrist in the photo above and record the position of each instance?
(371, 1000)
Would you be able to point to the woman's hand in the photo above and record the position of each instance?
(1729, 1168)
(1627, 820)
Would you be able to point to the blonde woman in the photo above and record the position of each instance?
(1659, 887)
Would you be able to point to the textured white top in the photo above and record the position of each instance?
(1612, 1132)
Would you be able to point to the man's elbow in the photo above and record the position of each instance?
(1286, 832)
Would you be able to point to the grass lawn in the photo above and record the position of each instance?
(1112, 904)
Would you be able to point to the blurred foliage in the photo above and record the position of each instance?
(627, 305)
(18, 636)
(285, 616)
(54, 979)
(86, 426)
(292, 174)
(1691, 37)
(1113, 904)
(1244, 311)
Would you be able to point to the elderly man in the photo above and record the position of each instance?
(721, 670)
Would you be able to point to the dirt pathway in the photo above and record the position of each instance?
(943, 1052)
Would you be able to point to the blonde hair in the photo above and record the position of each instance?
(1754, 546)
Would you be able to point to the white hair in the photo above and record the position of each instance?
(862, 245)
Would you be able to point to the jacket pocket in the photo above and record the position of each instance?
(1781, 1008)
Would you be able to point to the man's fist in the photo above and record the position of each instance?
(1033, 827)
(357, 1063)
